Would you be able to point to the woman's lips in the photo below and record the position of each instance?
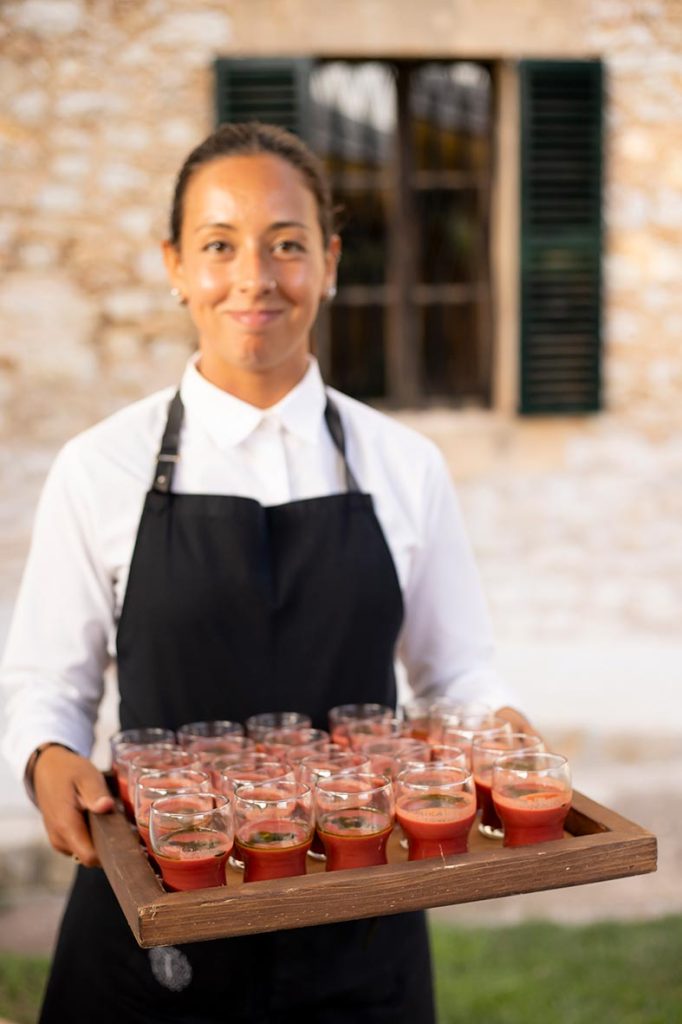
(254, 317)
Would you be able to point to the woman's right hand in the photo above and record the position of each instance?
(65, 786)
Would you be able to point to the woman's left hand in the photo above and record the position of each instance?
(518, 722)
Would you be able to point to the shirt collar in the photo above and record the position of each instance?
(229, 420)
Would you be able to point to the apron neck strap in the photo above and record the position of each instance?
(170, 444)
(334, 423)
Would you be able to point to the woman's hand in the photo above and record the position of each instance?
(518, 722)
(65, 786)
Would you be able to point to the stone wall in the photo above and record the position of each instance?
(577, 523)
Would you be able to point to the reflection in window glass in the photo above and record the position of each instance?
(362, 223)
(450, 362)
(450, 237)
(450, 108)
(354, 114)
(357, 350)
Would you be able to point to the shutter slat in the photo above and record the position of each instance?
(561, 159)
(274, 91)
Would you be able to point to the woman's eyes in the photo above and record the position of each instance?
(218, 246)
(283, 247)
(289, 247)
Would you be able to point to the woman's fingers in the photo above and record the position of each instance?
(65, 786)
(518, 722)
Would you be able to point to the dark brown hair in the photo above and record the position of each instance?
(248, 139)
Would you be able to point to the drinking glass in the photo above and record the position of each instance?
(215, 754)
(247, 771)
(258, 725)
(192, 731)
(323, 763)
(152, 786)
(369, 730)
(127, 739)
(484, 753)
(435, 807)
(191, 836)
(256, 768)
(354, 814)
(464, 734)
(274, 828)
(140, 738)
(216, 764)
(124, 754)
(213, 746)
(384, 754)
(294, 744)
(155, 759)
(446, 712)
(331, 760)
(532, 796)
(416, 715)
(445, 754)
(343, 714)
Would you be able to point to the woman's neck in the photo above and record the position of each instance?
(260, 390)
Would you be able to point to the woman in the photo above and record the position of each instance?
(291, 541)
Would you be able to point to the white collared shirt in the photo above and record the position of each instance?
(62, 635)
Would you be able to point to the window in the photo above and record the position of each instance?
(408, 149)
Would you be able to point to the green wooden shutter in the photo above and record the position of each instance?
(561, 236)
(274, 91)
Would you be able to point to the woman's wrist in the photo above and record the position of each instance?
(29, 773)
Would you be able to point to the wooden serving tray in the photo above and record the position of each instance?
(598, 844)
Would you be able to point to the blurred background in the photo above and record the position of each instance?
(509, 178)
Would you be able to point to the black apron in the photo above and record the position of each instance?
(231, 609)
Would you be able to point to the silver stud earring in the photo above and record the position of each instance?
(175, 292)
(331, 292)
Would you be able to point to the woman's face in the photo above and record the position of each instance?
(252, 266)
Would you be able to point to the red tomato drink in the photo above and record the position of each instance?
(419, 732)
(340, 736)
(354, 838)
(193, 859)
(124, 793)
(272, 849)
(484, 798)
(146, 839)
(436, 824)
(532, 812)
(144, 836)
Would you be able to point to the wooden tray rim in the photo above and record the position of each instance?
(602, 845)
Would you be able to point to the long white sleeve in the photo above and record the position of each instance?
(56, 650)
(447, 643)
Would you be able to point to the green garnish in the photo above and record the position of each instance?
(346, 822)
(273, 837)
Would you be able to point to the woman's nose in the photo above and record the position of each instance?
(253, 273)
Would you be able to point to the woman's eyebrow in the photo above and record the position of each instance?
(277, 226)
(215, 224)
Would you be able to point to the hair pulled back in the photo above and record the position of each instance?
(249, 139)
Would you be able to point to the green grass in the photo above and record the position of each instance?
(22, 980)
(604, 973)
(528, 974)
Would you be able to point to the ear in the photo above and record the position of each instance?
(331, 262)
(174, 269)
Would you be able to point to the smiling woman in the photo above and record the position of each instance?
(250, 542)
(252, 255)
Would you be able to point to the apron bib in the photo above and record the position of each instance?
(231, 609)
